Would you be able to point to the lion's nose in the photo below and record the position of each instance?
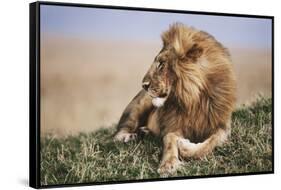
(146, 85)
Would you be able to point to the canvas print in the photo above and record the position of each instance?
(133, 95)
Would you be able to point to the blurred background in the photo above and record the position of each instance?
(93, 60)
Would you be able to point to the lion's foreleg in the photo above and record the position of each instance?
(170, 160)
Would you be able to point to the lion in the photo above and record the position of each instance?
(188, 97)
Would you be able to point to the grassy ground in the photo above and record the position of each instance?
(95, 157)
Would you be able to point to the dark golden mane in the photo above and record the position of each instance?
(204, 89)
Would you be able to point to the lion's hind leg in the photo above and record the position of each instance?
(198, 150)
(133, 117)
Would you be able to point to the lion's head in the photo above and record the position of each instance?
(160, 77)
(169, 72)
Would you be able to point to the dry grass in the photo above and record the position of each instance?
(95, 157)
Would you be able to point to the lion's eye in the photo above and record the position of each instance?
(160, 65)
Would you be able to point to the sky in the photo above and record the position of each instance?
(109, 24)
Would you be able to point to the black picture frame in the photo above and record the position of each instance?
(34, 91)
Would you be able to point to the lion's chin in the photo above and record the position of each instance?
(158, 102)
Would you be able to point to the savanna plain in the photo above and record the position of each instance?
(85, 86)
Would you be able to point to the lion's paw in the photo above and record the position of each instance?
(168, 167)
(125, 136)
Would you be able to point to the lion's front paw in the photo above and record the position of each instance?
(168, 167)
(125, 136)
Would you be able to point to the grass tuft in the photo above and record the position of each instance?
(94, 157)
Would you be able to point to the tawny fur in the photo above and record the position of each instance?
(194, 73)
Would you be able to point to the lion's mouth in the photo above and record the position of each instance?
(157, 95)
(163, 95)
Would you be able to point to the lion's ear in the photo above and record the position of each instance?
(194, 52)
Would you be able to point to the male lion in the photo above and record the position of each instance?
(188, 96)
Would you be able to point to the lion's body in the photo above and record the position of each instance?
(199, 88)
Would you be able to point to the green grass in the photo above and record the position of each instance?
(94, 157)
